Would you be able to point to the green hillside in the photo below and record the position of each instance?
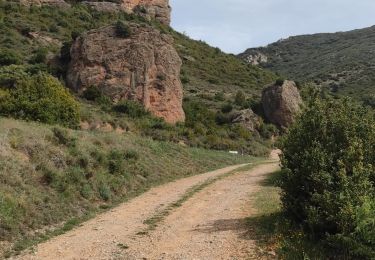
(32, 37)
(343, 62)
(84, 153)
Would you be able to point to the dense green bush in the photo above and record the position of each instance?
(92, 93)
(9, 57)
(38, 97)
(122, 29)
(130, 108)
(39, 56)
(329, 182)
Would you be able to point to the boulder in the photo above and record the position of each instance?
(143, 67)
(281, 103)
(248, 119)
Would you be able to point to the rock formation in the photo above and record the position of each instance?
(248, 119)
(281, 103)
(143, 67)
(56, 3)
(149, 9)
(254, 58)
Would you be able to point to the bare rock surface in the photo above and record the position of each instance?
(248, 119)
(143, 67)
(281, 103)
(150, 9)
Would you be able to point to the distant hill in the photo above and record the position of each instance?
(344, 62)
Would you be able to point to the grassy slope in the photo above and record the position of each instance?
(208, 70)
(49, 175)
(343, 61)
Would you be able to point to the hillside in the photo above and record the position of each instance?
(69, 153)
(343, 62)
(211, 79)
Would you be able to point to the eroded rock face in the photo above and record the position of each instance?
(56, 3)
(248, 119)
(143, 67)
(281, 103)
(151, 9)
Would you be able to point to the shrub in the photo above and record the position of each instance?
(220, 96)
(279, 82)
(328, 186)
(8, 57)
(63, 137)
(92, 93)
(227, 108)
(122, 29)
(268, 130)
(40, 56)
(131, 108)
(222, 119)
(105, 192)
(240, 99)
(38, 97)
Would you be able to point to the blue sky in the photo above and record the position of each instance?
(234, 25)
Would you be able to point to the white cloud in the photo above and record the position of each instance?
(235, 25)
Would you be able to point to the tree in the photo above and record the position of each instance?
(328, 185)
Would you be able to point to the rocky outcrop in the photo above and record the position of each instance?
(254, 57)
(55, 3)
(248, 119)
(107, 7)
(143, 67)
(149, 9)
(281, 103)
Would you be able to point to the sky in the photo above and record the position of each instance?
(235, 25)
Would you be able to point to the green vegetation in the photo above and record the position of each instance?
(342, 62)
(31, 36)
(38, 97)
(122, 29)
(66, 174)
(210, 75)
(329, 179)
(51, 175)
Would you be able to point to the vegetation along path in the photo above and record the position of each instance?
(201, 217)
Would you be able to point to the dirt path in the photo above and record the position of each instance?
(207, 226)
